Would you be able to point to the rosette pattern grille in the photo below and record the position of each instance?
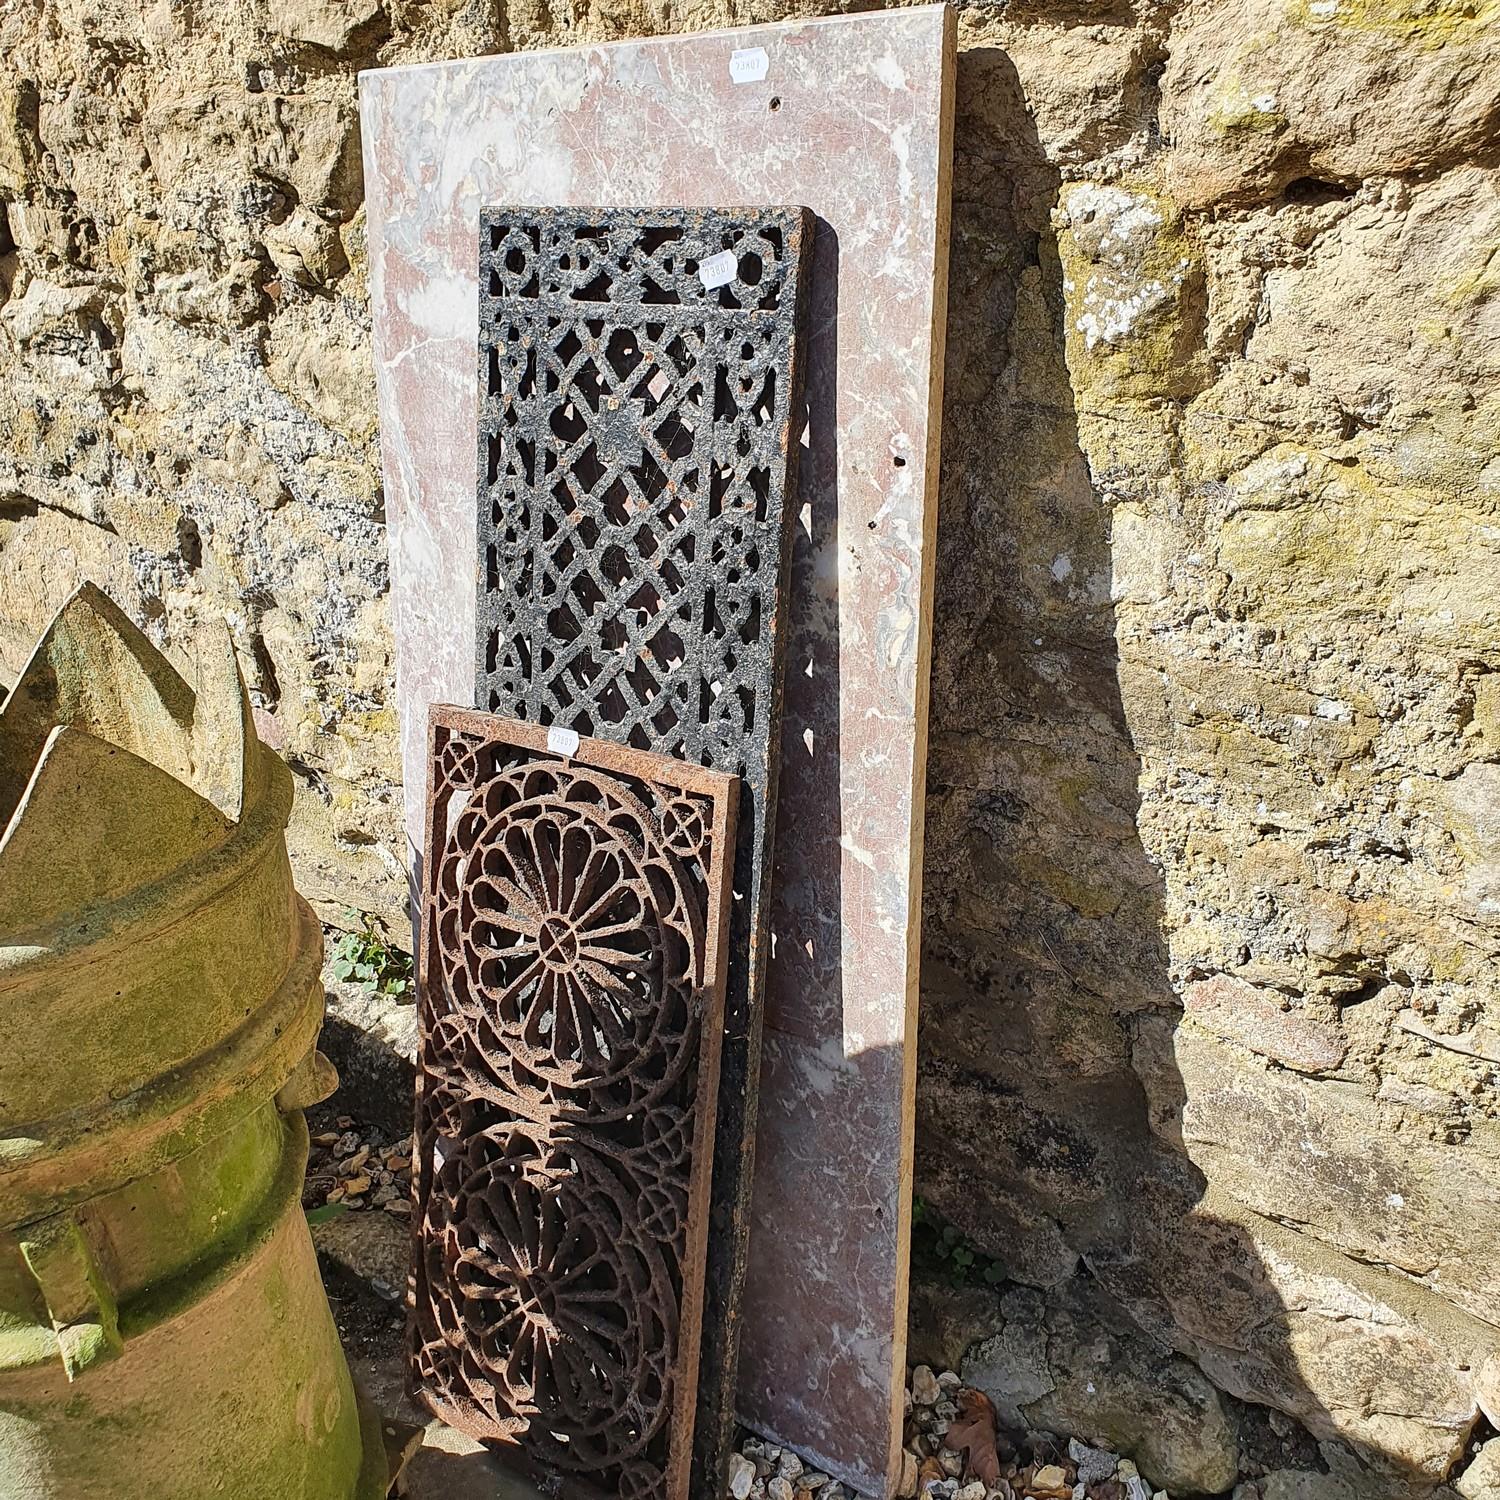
(573, 974)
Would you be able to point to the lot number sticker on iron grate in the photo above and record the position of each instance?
(573, 952)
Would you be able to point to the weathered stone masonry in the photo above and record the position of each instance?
(1214, 808)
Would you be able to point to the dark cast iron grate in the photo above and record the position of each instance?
(640, 376)
(574, 942)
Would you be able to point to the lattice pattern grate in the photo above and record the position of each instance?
(638, 442)
(634, 471)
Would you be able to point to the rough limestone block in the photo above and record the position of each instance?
(851, 117)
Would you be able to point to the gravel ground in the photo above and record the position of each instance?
(356, 1165)
(953, 1451)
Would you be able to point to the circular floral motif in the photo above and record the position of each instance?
(569, 934)
(684, 826)
(458, 761)
(569, 1309)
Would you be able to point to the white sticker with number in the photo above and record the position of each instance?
(562, 741)
(749, 64)
(718, 270)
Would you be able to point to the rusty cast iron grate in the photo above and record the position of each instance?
(573, 958)
(640, 373)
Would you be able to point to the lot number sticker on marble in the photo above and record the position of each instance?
(749, 64)
(719, 270)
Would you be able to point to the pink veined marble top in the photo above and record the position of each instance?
(852, 118)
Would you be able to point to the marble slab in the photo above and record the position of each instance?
(852, 117)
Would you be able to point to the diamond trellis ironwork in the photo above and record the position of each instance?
(640, 375)
(573, 960)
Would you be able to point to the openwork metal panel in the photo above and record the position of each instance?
(634, 466)
(573, 956)
(641, 387)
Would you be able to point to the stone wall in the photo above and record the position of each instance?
(1211, 1034)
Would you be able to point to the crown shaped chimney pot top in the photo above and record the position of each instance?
(114, 768)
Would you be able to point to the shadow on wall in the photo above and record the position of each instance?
(1047, 1007)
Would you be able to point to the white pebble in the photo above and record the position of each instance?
(741, 1476)
(908, 1485)
(925, 1389)
(789, 1466)
(780, 1489)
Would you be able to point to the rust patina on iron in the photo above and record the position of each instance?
(573, 957)
(640, 377)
